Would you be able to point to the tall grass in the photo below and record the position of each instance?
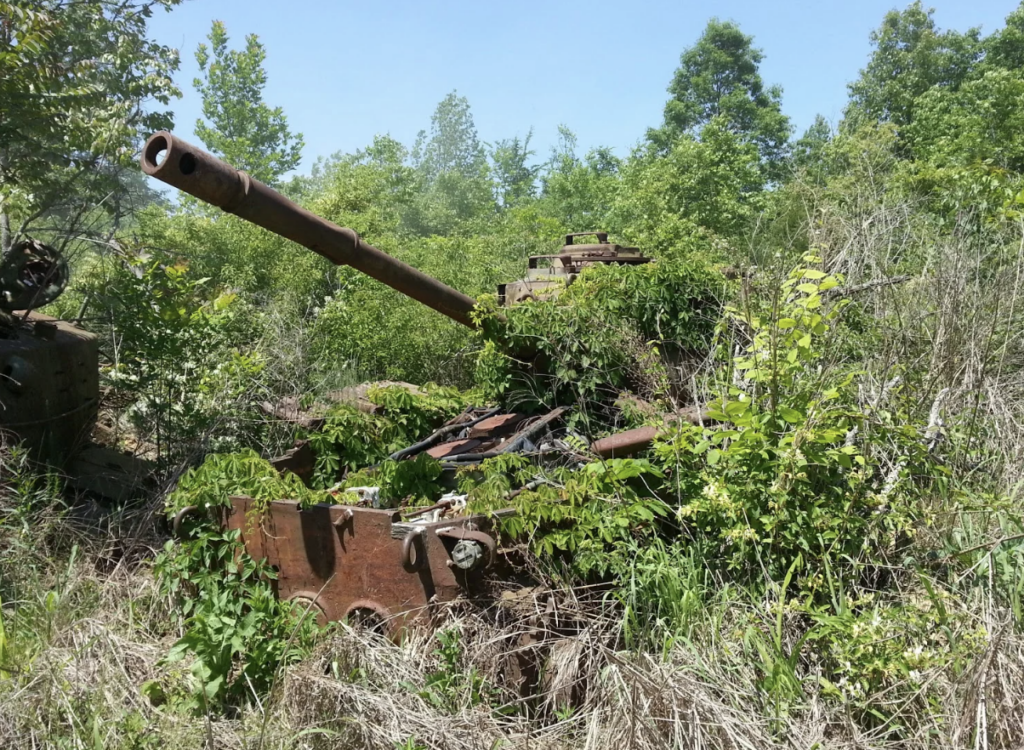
(675, 655)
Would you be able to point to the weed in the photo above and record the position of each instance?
(237, 633)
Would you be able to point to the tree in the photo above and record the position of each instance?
(452, 164)
(702, 187)
(242, 128)
(579, 192)
(453, 146)
(718, 78)
(75, 82)
(1005, 48)
(368, 190)
(983, 121)
(911, 56)
(515, 181)
(809, 150)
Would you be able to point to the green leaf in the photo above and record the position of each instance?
(790, 414)
(735, 408)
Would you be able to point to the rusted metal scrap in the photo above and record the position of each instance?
(494, 438)
(631, 442)
(468, 418)
(454, 448)
(362, 563)
(299, 460)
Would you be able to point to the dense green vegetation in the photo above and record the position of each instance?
(833, 557)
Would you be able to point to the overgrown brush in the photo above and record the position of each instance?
(616, 328)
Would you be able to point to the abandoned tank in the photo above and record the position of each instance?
(359, 561)
(49, 369)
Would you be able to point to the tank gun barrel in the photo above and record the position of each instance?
(192, 170)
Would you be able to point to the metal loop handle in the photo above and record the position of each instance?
(413, 539)
(180, 516)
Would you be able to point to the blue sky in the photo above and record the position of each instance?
(344, 71)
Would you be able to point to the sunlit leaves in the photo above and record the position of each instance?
(240, 126)
(73, 80)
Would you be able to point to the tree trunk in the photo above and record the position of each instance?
(5, 231)
(5, 219)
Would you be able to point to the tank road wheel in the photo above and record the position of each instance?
(32, 275)
(368, 615)
(177, 525)
(307, 602)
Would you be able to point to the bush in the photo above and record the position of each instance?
(800, 473)
(612, 329)
(351, 440)
(180, 356)
(237, 633)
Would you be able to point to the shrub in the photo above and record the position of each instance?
(222, 475)
(606, 332)
(799, 470)
(237, 633)
(351, 440)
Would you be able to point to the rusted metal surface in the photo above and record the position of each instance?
(625, 443)
(471, 416)
(360, 561)
(300, 460)
(454, 448)
(497, 426)
(206, 177)
(49, 386)
(631, 442)
(490, 437)
(529, 430)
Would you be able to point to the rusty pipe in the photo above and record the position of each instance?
(211, 180)
(625, 443)
(633, 441)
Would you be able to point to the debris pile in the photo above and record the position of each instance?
(388, 567)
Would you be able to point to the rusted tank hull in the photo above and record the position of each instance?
(361, 563)
(49, 387)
